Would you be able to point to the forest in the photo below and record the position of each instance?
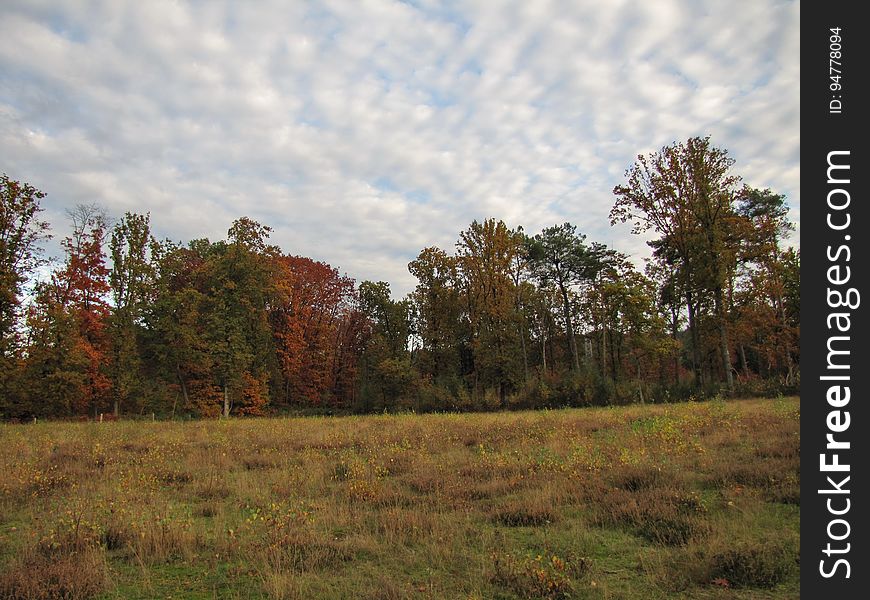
(129, 325)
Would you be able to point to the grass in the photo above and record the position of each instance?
(697, 500)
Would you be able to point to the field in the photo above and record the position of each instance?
(696, 500)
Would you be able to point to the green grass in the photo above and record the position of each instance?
(697, 500)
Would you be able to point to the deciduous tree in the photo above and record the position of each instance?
(685, 193)
(131, 280)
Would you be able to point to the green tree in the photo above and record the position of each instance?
(21, 232)
(391, 319)
(239, 285)
(58, 360)
(386, 357)
(437, 312)
(669, 305)
(622, 301)
(132, 287)
(175, 342)
(559, 256)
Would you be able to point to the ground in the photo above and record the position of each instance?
(694, 500)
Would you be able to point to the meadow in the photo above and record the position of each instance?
(693, 500)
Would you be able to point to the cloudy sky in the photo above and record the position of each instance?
(363, 131)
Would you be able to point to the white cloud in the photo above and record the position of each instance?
(362, 132)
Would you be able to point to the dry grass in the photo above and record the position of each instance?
(646, 501)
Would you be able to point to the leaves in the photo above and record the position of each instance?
(20, 254)
(236, 326)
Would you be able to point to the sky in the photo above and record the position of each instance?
(362, 131)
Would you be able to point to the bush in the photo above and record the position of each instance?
(534, 395)
(524, 514)
(77, 576)
(750, 565)
(662, 516)
(548, 577)
(771, 387)
(583, 388)
(634, 478)
(433, 398)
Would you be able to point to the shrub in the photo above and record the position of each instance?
(748, 565)
(662, 516)
(637, 477)
(72, 577)
(524, 514)
(535, 394)
(432, 398)
(541, 576)
(585, 388)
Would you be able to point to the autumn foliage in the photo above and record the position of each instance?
(127, 324)
(310, 319)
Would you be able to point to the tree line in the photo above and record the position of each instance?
(129, 324)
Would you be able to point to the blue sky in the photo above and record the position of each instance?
(365, 131)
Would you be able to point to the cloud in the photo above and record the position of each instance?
(362, 132)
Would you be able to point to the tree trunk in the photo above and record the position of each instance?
(525, 355)
(226, 412)
(436, 355)
(569, 326)
(613, 373)
(639, 382)
(696, 342)
(675, 336)
(544, 347)
(183, 387)
(744, 364)
(723, 339)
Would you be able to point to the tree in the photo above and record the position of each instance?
(386, 355)
(238, 279)
(316, 331)
(20, 234)
(791, 275)
(70, 316)
(622, 304)
(765, 218)
(685, 193)
(175, 337)
(558, 255)
(436, 303)
(540, 304)
(669, 305)
(132, 286)
(391, 319)
(58, 361)
(486, 253)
